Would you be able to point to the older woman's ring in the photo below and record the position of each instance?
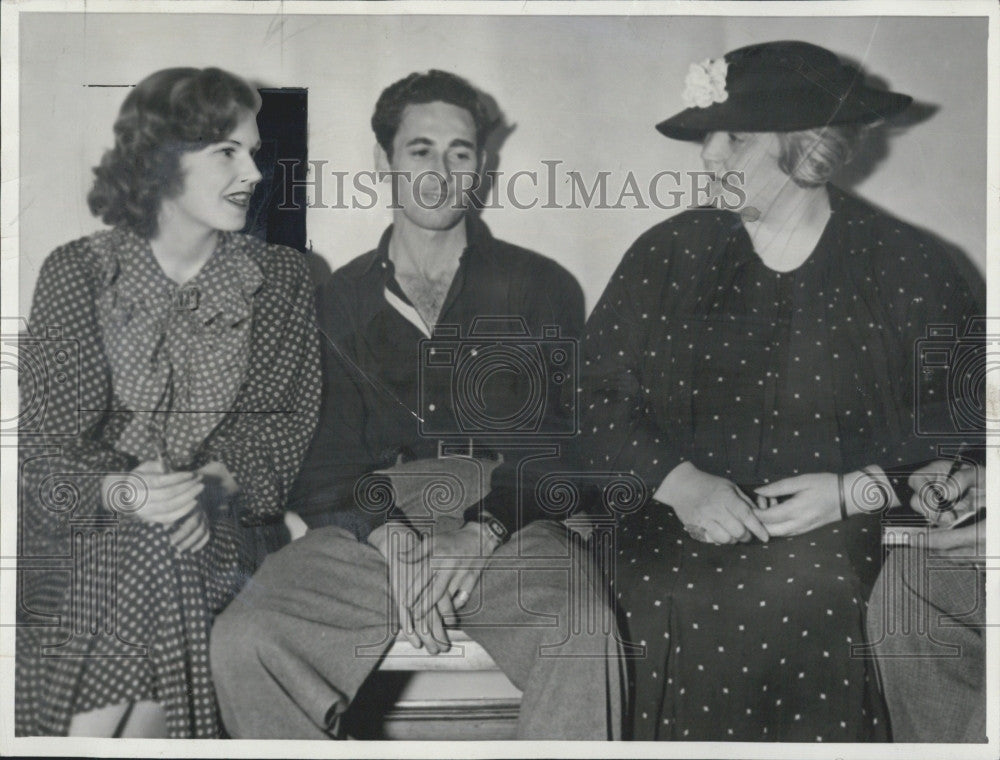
(697, 532)
(461, 597)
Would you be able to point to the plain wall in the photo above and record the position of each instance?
(585, 91)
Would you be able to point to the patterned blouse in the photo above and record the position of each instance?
(105, 312)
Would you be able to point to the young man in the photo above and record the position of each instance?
(290, 653)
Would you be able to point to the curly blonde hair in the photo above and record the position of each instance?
(812, 156)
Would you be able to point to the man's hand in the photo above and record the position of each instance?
(967, 542)
(712, 509)
(393, 541)
(409, 572)
(963, 491)
(943, 499)
(457, 560)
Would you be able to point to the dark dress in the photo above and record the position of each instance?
(698, 352)
(224, 369)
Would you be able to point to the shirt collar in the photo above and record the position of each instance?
(478, 241)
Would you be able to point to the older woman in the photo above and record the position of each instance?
(756, 371)
(195, 395)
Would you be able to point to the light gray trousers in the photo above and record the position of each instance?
(291, 651)
(926, 624)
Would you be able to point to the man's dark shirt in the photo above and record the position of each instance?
(373, 410)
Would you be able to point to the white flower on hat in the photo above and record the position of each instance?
(705, 83)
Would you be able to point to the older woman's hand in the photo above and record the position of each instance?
(814, 501)
(712, 509)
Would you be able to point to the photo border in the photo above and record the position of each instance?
(9, 305)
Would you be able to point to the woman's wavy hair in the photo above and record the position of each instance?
(812, 156)
(170, 112)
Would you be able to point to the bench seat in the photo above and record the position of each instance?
(456, 695)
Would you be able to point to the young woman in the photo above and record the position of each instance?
(757, 371)
(163, 471)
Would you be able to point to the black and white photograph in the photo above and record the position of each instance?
(490, 379)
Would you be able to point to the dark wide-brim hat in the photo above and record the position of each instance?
(777, 87)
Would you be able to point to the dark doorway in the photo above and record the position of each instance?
(283, 135)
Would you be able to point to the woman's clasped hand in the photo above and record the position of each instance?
(712, 509)
(181, 501)
(801, 503)
(716, 510)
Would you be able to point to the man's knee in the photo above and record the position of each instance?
(541, 538)
(893, 605)
(236, 637)
(559, 579)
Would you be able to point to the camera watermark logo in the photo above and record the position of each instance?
(42, 366)
(498, 381)
(953, 367)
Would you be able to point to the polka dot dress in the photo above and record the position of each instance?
(698, 352)
(226, 373)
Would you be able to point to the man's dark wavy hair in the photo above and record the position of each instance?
(420, 88)
(168, 113)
